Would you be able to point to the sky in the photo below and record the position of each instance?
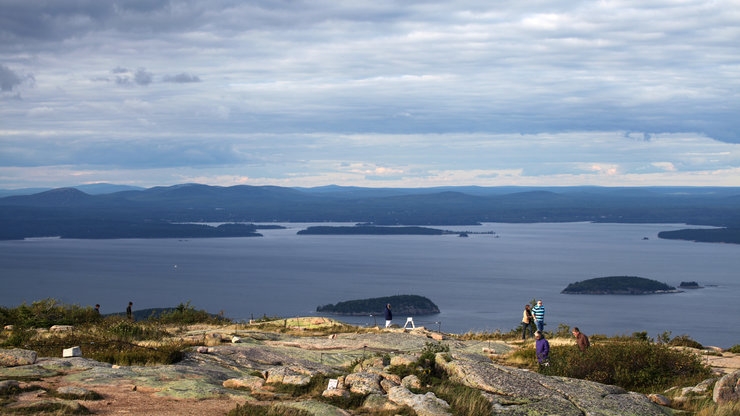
(370, 93)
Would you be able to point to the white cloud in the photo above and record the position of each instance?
(412, 92)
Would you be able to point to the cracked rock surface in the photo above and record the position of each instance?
(212, 380)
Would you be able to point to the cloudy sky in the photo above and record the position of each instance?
(369, 93)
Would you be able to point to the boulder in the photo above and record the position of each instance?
(76, 393)
(248, 382)
(17, 357)
(423, 404)
(59, 407)
(404, 359)
(411, 382)
(343, 393)
(659, 399)
(364, 383)
(72, 352)
(437, 336)
(61, 328)
(387, 384)
(727, 389)
(288, 375)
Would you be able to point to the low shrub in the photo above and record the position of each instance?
(634, 365)
(464, 400)
(685, 341)
(735, 349)
(186, 314)
(47, 312)
(104, 348)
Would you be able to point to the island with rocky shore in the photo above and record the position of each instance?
(407, 305)
(618, 285)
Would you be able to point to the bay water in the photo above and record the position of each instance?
(480, 283)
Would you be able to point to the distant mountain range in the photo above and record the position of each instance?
(92, 189)
(126, 212)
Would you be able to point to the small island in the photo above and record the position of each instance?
(689, 285)
(369, 230)
(403, 305)
(618, 285)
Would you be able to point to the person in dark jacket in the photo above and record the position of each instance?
(388, 315)
(542, 348)
(581, 339)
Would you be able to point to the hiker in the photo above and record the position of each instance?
(539, 315)
(581, 339)
(527, 322)
(542, 348)
(388, 315)
(129, 314)
(97, 309)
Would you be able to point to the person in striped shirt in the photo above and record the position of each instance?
(539, 316)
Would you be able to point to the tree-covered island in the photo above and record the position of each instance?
(403, 305)
(618, 285)
(369, 230)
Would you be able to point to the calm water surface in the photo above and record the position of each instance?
(480, 283)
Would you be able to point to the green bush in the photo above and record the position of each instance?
(735, 349)
(19, 337)
(185, 314)
(47, 312)
(633, 365)
(685, 341)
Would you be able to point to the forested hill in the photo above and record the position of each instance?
(403, 305)
(618, 285)
(163, 211)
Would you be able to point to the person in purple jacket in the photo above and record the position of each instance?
(542, 348)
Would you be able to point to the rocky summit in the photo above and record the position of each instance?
(246, 366)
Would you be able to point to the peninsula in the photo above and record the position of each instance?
(618, 285)
(411, 305)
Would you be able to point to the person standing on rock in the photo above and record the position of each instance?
(388, 315)
(539, 315)
(581, 339)
(542, 348)
(527, 322)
